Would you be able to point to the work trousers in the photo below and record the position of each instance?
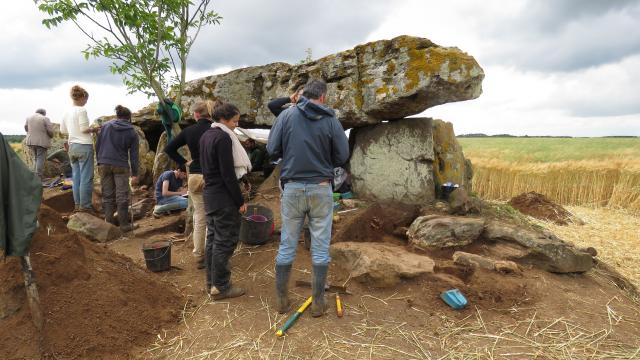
(81, 157)
(315, 202)
(196, 185)
(38, 156)
(223, 231)
(115, 187)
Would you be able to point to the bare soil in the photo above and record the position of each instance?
(533, 315)
(540, 207)
(96, 303)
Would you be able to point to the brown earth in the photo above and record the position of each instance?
(96, 303)
(540, 207)
(536, 312)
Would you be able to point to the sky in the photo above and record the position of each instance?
(552, 67)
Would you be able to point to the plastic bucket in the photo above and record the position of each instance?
(157, 255)
(446, 190)
(256, 226)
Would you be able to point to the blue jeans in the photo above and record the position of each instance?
(298, 201)
(171, 203)
(81, 157)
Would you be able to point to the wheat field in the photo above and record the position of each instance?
(596, 172)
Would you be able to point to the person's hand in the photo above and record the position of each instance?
(66, 146)
(295, 96)
(184, 191)
(134, 180)
(243, 209)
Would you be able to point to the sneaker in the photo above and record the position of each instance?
(160, 214)
(232, 292)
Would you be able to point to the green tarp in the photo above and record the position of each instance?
(20, 197)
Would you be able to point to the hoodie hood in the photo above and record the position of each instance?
(313, 111)
(121, 125)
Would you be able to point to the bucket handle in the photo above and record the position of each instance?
(161, 256)
(248, 218)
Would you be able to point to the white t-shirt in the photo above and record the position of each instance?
(74, 122)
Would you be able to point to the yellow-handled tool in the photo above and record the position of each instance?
(339, 311)
(294, 317)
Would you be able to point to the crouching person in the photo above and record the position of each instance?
(223, 162)
(117, 152)
(170, 190)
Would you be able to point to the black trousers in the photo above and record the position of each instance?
(223, 231)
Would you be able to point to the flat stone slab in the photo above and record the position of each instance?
(378, 264)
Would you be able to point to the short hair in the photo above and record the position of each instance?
(78, 93)
(182, 168)
(314, 89)
(225, 111)
(200, 107)
(123, 112)
(42, 112)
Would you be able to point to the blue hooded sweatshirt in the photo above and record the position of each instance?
(117, 143)
(311, 142)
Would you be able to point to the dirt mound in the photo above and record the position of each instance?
(379, 222)
(96, 303)
(540, 207)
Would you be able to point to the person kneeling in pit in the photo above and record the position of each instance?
(170, 192)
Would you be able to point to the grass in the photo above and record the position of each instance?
(583, 171)
(550, 150)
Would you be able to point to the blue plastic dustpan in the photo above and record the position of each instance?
(454, 298)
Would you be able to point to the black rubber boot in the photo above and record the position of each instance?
(123, 218)
(282, 288)
(108, 214)
(319, 304)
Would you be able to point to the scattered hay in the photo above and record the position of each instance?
(614, 233)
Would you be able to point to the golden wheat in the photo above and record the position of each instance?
(614, 183)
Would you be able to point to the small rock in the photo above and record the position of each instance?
(93, 228)
(434, 231)
(461, 204)
(378, 264)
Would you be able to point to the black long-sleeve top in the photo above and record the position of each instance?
(277, 105)
(220, 182)
(190, 136)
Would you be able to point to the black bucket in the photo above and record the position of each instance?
(257, 225)
(157, 255)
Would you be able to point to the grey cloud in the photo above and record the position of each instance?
(251, 33)
(566, 35)
(256, 33)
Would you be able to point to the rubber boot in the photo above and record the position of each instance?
(319, 304)
(282, 288)
(108, 214)
(123, 218)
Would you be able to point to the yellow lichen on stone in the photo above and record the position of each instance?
(391, 68)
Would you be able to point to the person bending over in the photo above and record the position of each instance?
(170, 191)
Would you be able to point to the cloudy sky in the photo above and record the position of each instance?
(553, 67)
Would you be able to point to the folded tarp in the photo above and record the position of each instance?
(20, 198)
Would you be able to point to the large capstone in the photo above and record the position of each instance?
(394, 161)
(373, 82)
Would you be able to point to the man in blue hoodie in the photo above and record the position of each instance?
(312, 142)
(117, 152)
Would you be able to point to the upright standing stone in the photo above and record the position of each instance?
(394, 161)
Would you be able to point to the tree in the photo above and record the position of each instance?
(147, 40)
